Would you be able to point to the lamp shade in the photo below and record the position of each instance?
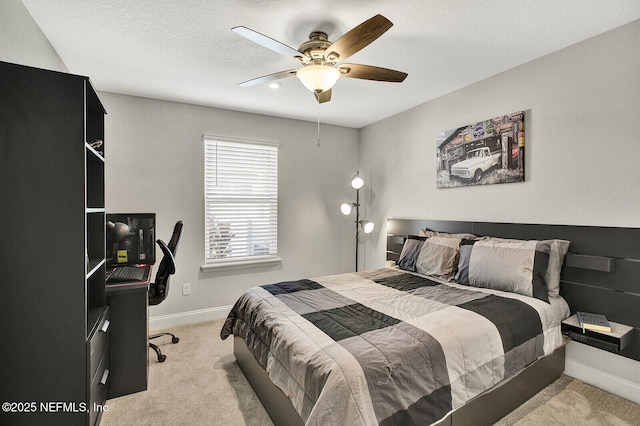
(118, 230)
(347, 208)
(356, 181)
(367, 226)
(318, 78)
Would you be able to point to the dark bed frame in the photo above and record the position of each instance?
(601, 274)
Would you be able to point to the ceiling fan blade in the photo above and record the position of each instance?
(323, 97)
(369, 72)
(267, 42)
(359, 37)
(267, 78)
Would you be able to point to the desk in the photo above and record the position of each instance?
(129, 353)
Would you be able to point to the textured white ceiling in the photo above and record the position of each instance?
(184, 50)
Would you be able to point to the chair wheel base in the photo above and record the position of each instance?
(161, 356)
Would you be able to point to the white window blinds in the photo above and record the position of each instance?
(241, 199)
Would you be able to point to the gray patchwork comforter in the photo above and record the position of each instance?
(389, 347)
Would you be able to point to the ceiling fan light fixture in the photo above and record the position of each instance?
(319, 58)
(318, 78)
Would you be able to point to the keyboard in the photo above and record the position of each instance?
(128, 273)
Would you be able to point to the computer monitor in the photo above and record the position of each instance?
(138, 245)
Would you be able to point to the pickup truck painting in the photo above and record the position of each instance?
(477, 162)
(482, 153)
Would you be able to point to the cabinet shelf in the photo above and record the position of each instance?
(94, 265)
(96, 210)
(94, 178)
(98, 155)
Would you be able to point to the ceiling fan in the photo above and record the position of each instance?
(320, 57)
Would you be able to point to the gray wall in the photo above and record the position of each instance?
(154, 163)
(22, 41)
(582, 159)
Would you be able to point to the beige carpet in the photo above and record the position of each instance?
(568, 401)
(200, 384)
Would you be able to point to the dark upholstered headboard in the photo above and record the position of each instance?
(601, 273)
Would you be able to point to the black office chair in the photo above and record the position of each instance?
(159, 289)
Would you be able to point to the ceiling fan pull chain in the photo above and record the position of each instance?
(318, 123)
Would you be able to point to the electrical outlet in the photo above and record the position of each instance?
(186, 289)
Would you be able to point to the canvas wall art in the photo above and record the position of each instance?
(482, 153)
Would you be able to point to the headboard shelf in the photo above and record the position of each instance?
(601, 273)
(596, 263)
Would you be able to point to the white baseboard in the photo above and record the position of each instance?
(162, 322)
(603, 380)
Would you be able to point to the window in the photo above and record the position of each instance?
(241, 200)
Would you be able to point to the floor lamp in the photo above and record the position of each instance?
(356, 183)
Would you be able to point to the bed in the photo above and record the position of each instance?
(408, 345)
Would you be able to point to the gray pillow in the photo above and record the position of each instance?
(557, 253)
(462, 274)
(515, 266)
(439, 257)
(409, 253)
(430, 233)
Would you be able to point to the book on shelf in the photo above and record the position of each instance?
(595, 322)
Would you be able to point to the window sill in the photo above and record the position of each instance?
(241, 264)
